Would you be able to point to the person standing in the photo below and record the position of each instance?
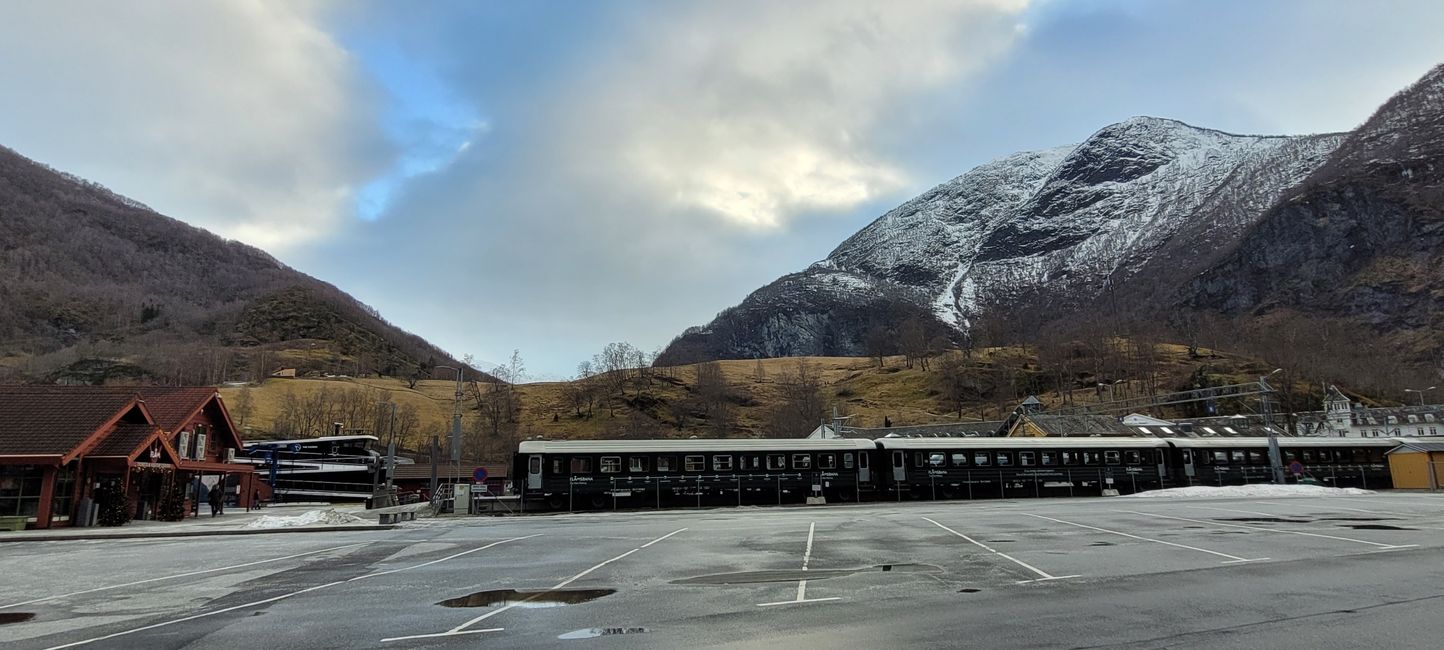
(216, 498)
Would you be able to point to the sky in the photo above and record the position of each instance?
(553, 176)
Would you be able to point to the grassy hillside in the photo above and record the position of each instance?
(654, 406)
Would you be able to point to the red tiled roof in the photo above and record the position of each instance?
(171, 405)
(54, 420)
(124, 440)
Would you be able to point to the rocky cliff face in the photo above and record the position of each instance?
(1141, 208)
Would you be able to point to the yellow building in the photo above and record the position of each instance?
(1417, 464)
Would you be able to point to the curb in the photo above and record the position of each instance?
(64, 537)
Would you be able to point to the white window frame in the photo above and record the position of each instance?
(694, 463)
(721, 463)
(183, 444)
(200, 446)
(610, 465)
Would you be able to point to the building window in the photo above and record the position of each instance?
(20, 490)
(183, 444)
(776, 461)
(801, 461)
(611, 464)
(637, 463)
(666, 463)
(694, 463)
(200, 443)
(721, 463)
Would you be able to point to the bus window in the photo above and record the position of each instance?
(1026, 459)
(694, 463)
(581, 465)
(611, 464)
(1112, 457)
(776, 461)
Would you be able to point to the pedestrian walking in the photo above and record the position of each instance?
(256, 499)
(216, 498)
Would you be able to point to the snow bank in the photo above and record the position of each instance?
(1267, 490)
(327, 517)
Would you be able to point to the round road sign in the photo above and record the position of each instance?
(1296, 467)
(479, 475)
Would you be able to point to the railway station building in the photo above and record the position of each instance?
(144, 452)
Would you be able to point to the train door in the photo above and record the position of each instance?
(534, 472)
(864, 475)
(899, 467)
(1188, 469)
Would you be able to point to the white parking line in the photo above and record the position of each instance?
(1232, 559)
(802, 584)
(276, 598)
(181, 575)
(461, 629)
(1246, 512)
(1043, 576)
(1334, 507)
(1274, 530)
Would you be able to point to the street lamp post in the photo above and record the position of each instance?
(1276, 461)
(1421, 392)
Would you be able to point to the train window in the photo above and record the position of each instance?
(1050, 458)
(581, 465)
(637, 464)
(937, 459)
(982, 458)
(666, 463)
(1132, 457)
(1027, 459)
(1220, 457)
(534, 465)
(920, 459)
(556, 465)
(827, 461)
(960, 460)
(776, 461)
(862, 460)
(1360, 455)
(847, 460)
(1092, 458)
(721, 463)
(801, 461)
(1290, 456)
(611, 464)
(1237, 456)
(1112, 457)
(1376, 455)
(1308, 455)
(1256, 457)
(751, 462)
(1070, 458)
(694, 463)
(1005, 459)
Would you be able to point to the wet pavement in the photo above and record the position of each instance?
(1324, 572)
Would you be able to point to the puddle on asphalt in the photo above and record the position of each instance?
(793, 575)
(538, 598)
(1266, 520)
(15, 617)
(969, 590)
(594, 632)
(1001, 541)
(1101, 544)
(1376, 527)
(1358, 519)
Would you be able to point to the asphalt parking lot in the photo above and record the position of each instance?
(1319, 572)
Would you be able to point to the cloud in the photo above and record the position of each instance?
(241, 117)
(758, 112)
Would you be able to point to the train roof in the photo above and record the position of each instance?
(1284, 441)
(1112, 442)
(691, 444)
(302, 441)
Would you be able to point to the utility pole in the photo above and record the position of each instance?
(1276, 462)
(456, 423)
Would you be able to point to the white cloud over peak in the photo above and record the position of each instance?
(757, 112)
(242, 117)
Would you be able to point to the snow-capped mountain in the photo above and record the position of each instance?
(1144, 206)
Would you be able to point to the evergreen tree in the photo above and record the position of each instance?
(113, 505)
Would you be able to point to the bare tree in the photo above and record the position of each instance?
(913, 340)
(245, 406)
(800, 407)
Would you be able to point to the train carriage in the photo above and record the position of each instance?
(1020, 467)
(1334, 462)
(578, 474)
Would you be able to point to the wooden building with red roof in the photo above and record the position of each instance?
(60, 444)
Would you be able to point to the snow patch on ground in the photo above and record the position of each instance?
(327, 517)
(1267, 490)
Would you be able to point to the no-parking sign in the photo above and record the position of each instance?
(1296, 468)
(479, 475)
